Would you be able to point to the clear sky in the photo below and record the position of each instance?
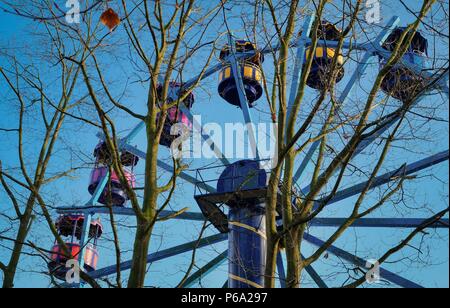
(429, 192)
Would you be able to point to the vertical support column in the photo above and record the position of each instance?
(87, 221)
(247, 246)
(237, 73)
(134, 132)
(99, 190)
(197, 128)
(299, 60)
(84, 239)
(281, 271)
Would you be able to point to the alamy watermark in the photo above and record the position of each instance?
(229, 140)
(373, 273)
(73, 12)
(373, 11)
(73, 272)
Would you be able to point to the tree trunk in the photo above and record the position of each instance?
(145, 224)
(271, 229)
(140, 252)
(24, 228)
(293, 259)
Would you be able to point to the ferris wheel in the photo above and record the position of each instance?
(242, 186)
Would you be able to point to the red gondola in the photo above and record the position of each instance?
(69, 228)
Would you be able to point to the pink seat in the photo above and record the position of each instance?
(117, 192)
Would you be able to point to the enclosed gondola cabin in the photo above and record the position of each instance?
(402, 83)
(69, 228)
(175, 114)
(103, 157)
(251, 74)
(323, 57)
(114, 192)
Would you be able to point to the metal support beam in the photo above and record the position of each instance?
(305, 162)
(208, 72)
(169, 168)
(134, 132)
(390, 176)
(385, 125)
(379, 223)
(368, 47)
(187, 177)
(163, 254)
(354, 80)
(123, 211)
(385, 274)
(236, 69)
(207, 138)
(299, 60)
(84, 239)
(315, 276)
(183, 175)
(281, 271)
(205, 270)
(363, 64)
(99, 190)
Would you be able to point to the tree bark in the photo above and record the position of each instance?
(24, 227)
(140, 252)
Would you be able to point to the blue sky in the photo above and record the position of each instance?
(429, 192)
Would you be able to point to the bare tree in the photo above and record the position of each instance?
(333, 116)
(149, 45)
(166, 25)
(41, 117)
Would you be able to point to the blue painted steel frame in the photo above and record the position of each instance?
(84, 238)
(205, 137)
(123, 211)
(236, 69)
(299, 61)
(410, 223)
(163, 254)
(379, 223)
(387, 275)
(281, 271)
(389, 176)
(315, 276)
(317, 222)
(372, 51)
(360, 70)
(161, 164)
(206, 269)
(305, 162)
(383, 127)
